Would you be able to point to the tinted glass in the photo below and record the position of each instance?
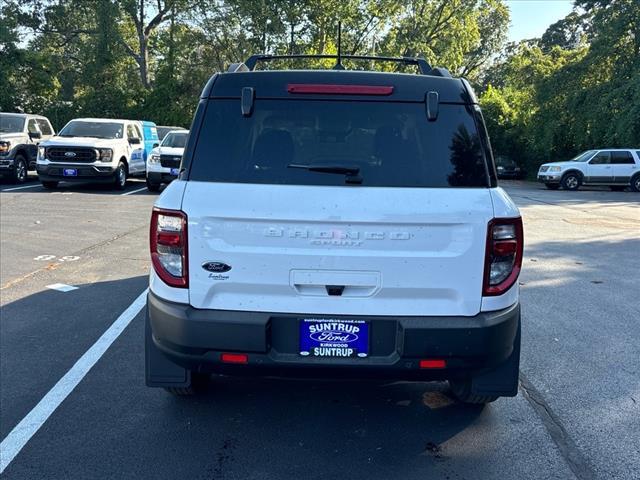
(11, 123)
(92, 129)
(601, 158)
(162, 131)
(505, 162)
(392, 144)
(44, 127)
(621, 158)
(175, 140)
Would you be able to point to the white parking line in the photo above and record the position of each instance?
(134, 191)
(20, 188)
(31, 423)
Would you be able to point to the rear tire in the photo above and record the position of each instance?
(20, 169)
(199, 382)
(552, 186)
(571, 181)
(120, 180)
(461, 390)
(635, 183)
(49, 185)
(153, 187)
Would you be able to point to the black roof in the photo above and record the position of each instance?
(274, 84)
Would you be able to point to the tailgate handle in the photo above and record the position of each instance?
(335, 290)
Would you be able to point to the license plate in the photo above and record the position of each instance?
(70, 172)
(334, 338)
(175, 171)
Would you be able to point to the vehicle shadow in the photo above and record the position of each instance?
(244, 428)
(133, 185)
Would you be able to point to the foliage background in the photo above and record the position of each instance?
(576, 87)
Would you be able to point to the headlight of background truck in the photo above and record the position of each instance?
(154, 158)
(555, 169)
(106, 154)
(5, 147)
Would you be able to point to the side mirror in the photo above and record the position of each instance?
(35, 135)
(156, 145)
(134, 141)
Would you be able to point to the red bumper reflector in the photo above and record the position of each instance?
(340, 89)
(241, 358)
(433, 363)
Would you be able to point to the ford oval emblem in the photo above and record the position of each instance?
(216, 267)
(69, 154)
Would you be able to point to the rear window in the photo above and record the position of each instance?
(392, 144)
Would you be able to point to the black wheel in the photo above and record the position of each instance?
(20, 172)
(153, 187)
(121, 176)
(552, 186)
(461, 390)
(49, 185)
(635, 183)
(617, 188)
(199, 382)
(571, 181)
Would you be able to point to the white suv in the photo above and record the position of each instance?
(336, 223)
(93, 150)
(164, 161)
(615, 168)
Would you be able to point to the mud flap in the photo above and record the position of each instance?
(503, 380)
(159, 370)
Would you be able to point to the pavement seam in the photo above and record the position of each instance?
(50, 266)
(566, 445)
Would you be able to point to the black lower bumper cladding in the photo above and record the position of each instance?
(181, 339)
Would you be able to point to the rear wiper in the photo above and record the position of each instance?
(351, 171)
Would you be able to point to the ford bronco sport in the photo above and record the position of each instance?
(336, 223)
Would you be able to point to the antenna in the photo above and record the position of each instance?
(338, 65)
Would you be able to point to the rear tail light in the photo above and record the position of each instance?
(168, 239)
(503, 259)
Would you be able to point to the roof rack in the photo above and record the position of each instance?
(420, 62)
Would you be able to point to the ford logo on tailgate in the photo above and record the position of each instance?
(216, 267)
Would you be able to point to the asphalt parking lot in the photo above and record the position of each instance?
(577, 414)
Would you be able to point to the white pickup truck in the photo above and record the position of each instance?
(92, 150)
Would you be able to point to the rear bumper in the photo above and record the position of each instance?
(86, 173)
(194, 339)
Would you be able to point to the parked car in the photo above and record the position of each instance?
(163, 130)
(508, 169)
(615, 168)
(93, 150)
(20, 135)
(163, 165)
(336, 223)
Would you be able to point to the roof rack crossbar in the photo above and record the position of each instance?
(420, 62)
